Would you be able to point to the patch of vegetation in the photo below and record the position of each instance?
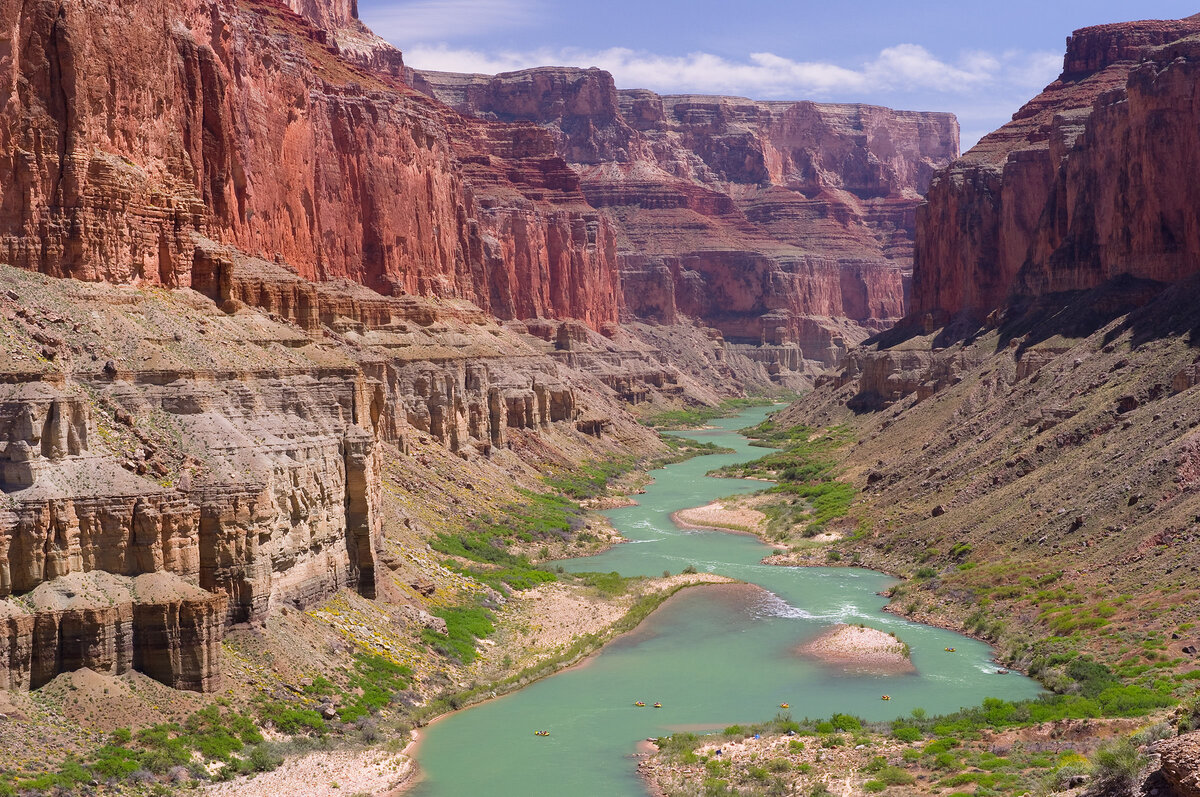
(608, 585)
(464, 627)
(213, 734)
(591, 478)
(375, 681)
(1117, 766)
(290, 719)
(692, 417)
(805, 472)
(538, 517)
(684, 448)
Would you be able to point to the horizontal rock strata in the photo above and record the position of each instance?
(774, 222)
(237, 452)
(1092, 179)
(284, 136)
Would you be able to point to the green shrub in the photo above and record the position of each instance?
(947, 761)
(845, 722)
(320, 686)
(609, 585)
(1189, 716)
(464, 625)
(1118, 765)
(263, 759)
(1092, 676)
(376, 679)
(111, 761)
(289, 719)
(895, 776)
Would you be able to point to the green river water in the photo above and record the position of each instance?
(712, 656)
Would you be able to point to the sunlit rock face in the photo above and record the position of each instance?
(247, 125)
(777, 223)
(1093, 178)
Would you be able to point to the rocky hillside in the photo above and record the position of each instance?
(285, 270)
(1034, 461)
(786, 224)
(171, 469)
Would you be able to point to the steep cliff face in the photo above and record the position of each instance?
(1092, 179)
(327, 15)
(242, 123)
(787, 224)
(229, 457)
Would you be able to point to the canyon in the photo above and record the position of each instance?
(349, 261)
(281, 314)
(1087, 183)
(787, 226)
(1034, 412)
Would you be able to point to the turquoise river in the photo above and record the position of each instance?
(712, 656)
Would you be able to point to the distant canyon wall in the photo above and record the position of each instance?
(1093, 178)
(774, 222)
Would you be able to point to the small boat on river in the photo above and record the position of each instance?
(784, 705)
(640, 703)
(658, 705)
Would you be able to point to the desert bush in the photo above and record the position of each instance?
(1118, 766)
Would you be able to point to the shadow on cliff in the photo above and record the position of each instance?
(1076, 315)
(1148, 309)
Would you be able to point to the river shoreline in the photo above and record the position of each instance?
(724, 515)
(667, 588)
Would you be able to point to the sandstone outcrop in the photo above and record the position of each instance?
(1180, 763)
(1093, 179)
(230, 454)
(157, 623)
(777, 223)
(282, 140)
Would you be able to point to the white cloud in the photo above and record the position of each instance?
(903, 69)
(433, 20)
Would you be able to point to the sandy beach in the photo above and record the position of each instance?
(325, 774)
(860, 649)
(725, 515)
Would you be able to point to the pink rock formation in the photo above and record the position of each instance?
(1092, 179)
(774, 222)
(279, 139)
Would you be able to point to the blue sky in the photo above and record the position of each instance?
(979, 60)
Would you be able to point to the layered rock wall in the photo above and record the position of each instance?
(156, 624)
(1092, 179)
(232, 457)
(776, 223)
(245, 124)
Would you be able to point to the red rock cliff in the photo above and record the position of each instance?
(135, 129)
(328, 15)
(1093, 178)
(776, 222)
